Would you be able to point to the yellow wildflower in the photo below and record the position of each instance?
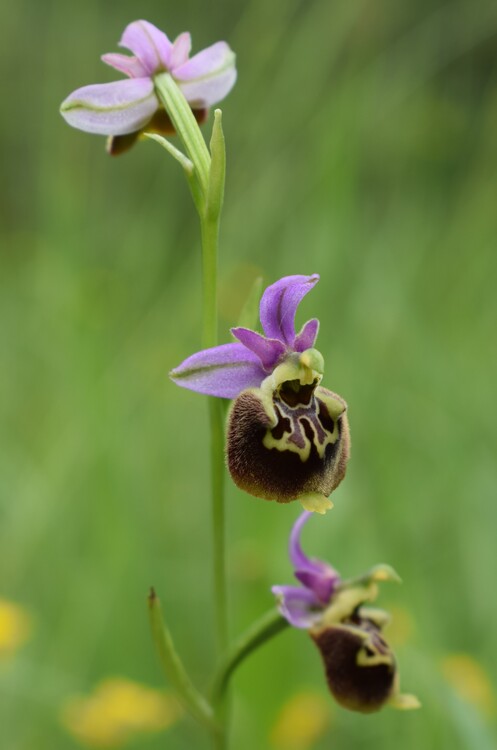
(470, 681)
(15, 627)
(303, 719)
(116, 711)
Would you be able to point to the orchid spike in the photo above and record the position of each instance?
(288, 437)
(360, 667)
(125, 109)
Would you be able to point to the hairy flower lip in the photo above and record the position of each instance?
(359, 677)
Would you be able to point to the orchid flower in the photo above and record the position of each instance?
(125, 109)
(360, 667)
(288, 437)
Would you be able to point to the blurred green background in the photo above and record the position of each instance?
(362, 145)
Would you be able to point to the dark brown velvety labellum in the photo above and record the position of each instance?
(359, 665)
(297, 444)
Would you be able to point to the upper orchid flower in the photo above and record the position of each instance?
(288, 437)
(360, 667)
(124, 109)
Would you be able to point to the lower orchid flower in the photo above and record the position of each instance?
(360, 667)
(288, 437)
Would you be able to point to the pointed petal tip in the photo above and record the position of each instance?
(307, 336)
(150, 45)
(384, 572)
(279, 305)
(181, 49)
(130, 66)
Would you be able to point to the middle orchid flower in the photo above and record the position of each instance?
(288, 437)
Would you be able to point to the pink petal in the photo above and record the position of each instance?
(206, 93)
(307, 336)
(111, 108)
(208, 76)
(269, 351)
(279, 304)
(224, 371)
(180, 51)
(208, 62)
(149, 44)
(130, 66)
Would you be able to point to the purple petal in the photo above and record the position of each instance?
(130, 66)
(111, 108)
(315, 575)
(299, 606)
(297, 556)
(321, 583)
(208, 76)
(180, 51)
(150, 45)
(269, 351)
(224, 371)
(307, 336)
(279, 304)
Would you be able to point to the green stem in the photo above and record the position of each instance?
(261, 631)
(209, 169)
(210, 237)
(193, 701)
(185, 124)
(209, 222)
(216, 415)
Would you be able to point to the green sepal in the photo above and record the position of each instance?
(215, 188)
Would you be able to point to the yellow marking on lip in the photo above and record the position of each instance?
(315, 502)
(283, 443)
